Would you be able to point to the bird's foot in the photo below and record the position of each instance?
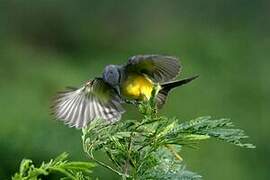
(133, 102)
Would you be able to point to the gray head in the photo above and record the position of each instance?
(111, 75)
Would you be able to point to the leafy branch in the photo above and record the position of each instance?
(70, 170)
(148, 148)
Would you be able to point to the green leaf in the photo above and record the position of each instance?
(71, 170)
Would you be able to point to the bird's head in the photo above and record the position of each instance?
(111, 75)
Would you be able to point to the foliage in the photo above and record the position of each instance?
(71, 170)
(149, 148)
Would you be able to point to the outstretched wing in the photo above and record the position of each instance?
(159, 68)
(95, 100)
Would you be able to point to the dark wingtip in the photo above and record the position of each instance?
(194, 77)
(169, 85)
(187, 80)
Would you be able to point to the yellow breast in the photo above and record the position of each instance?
(137, 87)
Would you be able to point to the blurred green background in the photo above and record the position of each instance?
(47, 45)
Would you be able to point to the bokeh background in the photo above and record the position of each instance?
(47, 45)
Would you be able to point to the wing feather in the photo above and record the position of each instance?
(159, 68)
(95, 100)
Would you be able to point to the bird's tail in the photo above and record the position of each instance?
(166, 87)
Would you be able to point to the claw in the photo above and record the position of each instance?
(133, 102)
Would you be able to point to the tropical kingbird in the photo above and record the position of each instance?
(101, 98)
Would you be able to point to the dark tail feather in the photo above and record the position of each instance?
(172, 84)
(166, 87)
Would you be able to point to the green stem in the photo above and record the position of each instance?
(108, 167)
(62, 171)
(103, 164)
(90, 155)
(174, 152)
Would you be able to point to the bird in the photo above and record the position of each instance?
(102, 97)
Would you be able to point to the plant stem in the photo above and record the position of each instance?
(174, 152)
(66, 173)
(90, 155)
(108, 167)
(103, 164)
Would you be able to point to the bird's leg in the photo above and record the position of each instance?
(133, 102)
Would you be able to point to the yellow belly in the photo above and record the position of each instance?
(137, 87)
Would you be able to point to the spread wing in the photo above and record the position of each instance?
(95, 100)
(159, 68)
